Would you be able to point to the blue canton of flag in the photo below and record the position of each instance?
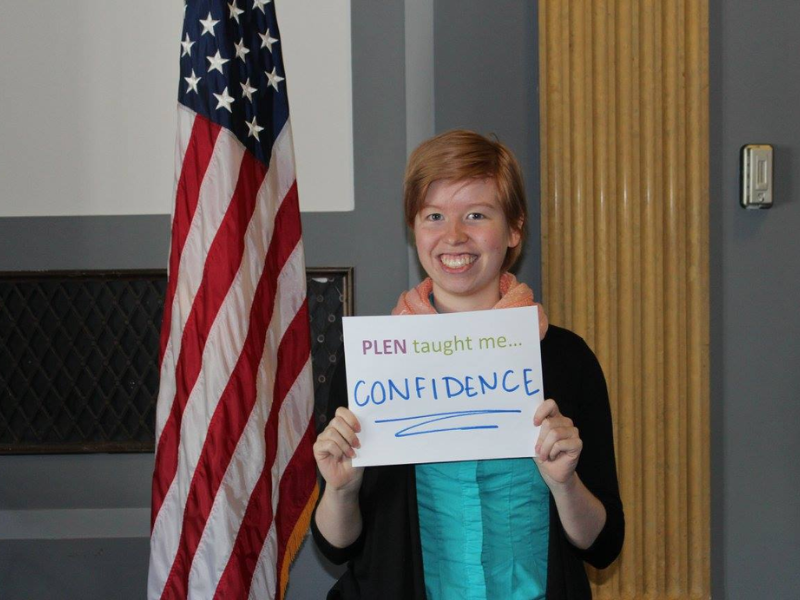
(232, 70)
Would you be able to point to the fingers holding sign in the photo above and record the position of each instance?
(559, 445)
(334, 449)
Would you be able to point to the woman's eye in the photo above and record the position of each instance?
(476, 216)
(434, 217)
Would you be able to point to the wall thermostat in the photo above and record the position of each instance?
(756, 176)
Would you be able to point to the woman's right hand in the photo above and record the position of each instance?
(334, 450)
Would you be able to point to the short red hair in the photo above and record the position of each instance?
(458, 155)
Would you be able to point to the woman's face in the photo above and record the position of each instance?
(462, 237)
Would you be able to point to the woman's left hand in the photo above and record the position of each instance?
(559, 445)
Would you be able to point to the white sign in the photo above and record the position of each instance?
(436, 388)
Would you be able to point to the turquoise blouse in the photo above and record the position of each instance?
(484, 529)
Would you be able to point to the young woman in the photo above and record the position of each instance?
(494, 529)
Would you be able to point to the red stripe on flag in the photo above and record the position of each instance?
(193, 170)
(238, 399)
(221, 265)
(297, 484)
(294, 351)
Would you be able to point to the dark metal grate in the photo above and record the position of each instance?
(79, 356)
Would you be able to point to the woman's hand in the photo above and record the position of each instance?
(334, 450)
(557, 451)
(338, 515)
(558, 447)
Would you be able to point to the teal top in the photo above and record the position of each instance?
(484, 529)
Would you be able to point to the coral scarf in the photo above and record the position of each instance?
(513, 294)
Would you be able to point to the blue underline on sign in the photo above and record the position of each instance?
(435, 417)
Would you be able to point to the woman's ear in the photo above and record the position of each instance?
(515, 234)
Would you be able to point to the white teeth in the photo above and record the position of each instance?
(457, 261)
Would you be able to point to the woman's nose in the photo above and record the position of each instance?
(456, 233)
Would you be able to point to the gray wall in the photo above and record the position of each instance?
(755, 322)
(486, 65)
(76, 526)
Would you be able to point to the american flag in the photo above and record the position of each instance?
(234, 480)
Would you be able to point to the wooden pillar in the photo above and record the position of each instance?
(624, 113)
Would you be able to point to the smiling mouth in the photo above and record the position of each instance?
(457, 261)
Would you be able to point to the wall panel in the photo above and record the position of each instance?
(624, 108)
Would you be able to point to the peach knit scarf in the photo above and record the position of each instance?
(513, 294)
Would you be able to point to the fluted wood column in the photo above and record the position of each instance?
(624, 113)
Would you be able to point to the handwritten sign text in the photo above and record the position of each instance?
(449, 387)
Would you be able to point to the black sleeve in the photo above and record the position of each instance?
(597, 465)
(337, 397)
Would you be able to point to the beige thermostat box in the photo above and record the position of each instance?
(756, 168)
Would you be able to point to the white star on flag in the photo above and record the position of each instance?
(187, 46)
(235, 11)
(254, 129)
(224, 100)
(192, 81)
(274, 78)
(215, 62)
(241, 50)
(260, 4)
(248, 91)
(267, 40)
(208, 25)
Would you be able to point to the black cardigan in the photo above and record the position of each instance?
(385, 562)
